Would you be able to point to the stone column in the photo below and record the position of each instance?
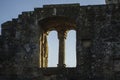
(62, 36)
(44, 51)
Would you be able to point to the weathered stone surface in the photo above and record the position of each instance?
(24, 50)
(112, 1)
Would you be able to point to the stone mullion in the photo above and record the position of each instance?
(61, 52)
(61, 37)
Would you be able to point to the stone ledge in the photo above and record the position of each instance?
(63, 5)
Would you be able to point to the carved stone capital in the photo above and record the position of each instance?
(62, 34)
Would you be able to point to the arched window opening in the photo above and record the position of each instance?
(70, 59)
(53, 49)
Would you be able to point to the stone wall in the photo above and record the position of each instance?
(23, 44)
(112, 1)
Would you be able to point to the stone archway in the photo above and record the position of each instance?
(62, 25)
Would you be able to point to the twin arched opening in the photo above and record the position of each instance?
(57, 51)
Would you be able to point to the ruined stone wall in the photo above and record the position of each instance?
(112, 1)
(97, 47)
(1, 47)
(99, 30)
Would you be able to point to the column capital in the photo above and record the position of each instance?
(62, 34)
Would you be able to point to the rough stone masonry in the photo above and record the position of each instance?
(24, 47)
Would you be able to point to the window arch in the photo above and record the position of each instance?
(61, 25)
(53, 49)
(71, 49)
